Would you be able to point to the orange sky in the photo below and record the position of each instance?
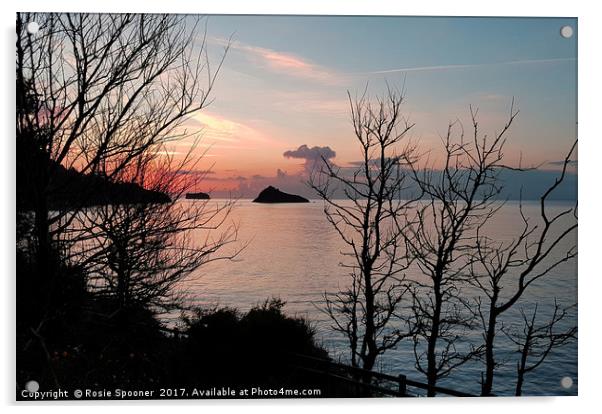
(284, 84)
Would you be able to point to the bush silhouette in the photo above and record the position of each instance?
(224, 348)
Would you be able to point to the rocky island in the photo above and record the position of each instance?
(274, 195)
(197, 196)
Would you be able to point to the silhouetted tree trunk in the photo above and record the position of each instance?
(529, 256)
(458, 200)
(137, 253)
(97, 93)
(97, 90)
(371, 226)
(490, 365)
(537, 341)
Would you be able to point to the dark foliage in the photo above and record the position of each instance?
(78, 339)
(86, 343)
(222, 346)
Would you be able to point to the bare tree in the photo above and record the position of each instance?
(99, 95)
(137, 253)
(537, 341)
(368, 220)
(458, 200)
(504, 271)
(97, 90)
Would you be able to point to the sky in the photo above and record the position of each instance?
(281, 96)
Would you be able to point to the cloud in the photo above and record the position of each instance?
(375, 161)
(283, 62)
(572, 163)
(169, 152)
(219, 128)
(196, 172)
(308, 101)
(291, 183)
(528, 184)
(314, 157)
(311, 154)
(221, 132)
(226, 179)
(470, 66)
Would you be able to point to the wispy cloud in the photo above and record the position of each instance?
(284, 62)
(572, 163)
(310, 101)
(196, 172)
(169, 152)
(226, 179)
(218, 129)
(472, 65)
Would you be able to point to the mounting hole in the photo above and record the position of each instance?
(32, 386)
(566, 382)
(566, 32)
(32, 27)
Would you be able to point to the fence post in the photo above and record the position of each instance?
(329, 381)
(402, 385)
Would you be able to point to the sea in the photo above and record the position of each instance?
(291, 252)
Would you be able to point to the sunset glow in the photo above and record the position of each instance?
(278, 92)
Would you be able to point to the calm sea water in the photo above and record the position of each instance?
(294, 254)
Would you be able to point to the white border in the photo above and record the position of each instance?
(356, 7)
(590, 153)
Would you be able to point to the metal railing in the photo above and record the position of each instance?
(369, 380)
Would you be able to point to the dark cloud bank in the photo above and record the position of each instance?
(531, 183)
